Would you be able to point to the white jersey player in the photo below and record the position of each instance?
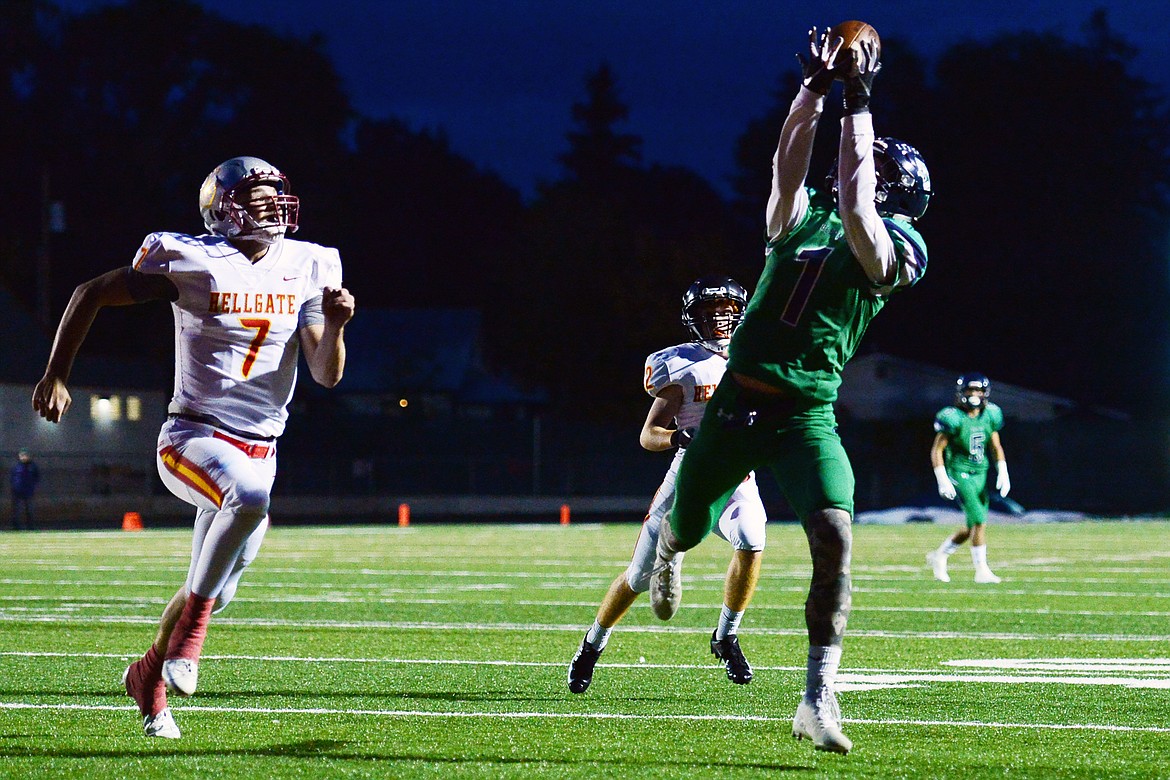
(246, 301)
(681, 379)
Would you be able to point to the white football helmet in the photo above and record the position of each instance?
(225, 190)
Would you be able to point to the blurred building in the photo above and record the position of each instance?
(879, 386)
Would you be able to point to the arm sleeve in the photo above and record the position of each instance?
(788, 202)
(311, 313)
(865, 231)
(150, 287)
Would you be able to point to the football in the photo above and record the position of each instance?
(853, 33)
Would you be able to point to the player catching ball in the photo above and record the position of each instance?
(834, 257)
(246, 301)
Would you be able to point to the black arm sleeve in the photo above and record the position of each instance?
(150, 287)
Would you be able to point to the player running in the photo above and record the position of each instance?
(833, 259)
(246, 300)
(964, 432)
(681, 379)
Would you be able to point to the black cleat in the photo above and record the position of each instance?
(739, 671)
(581, 667)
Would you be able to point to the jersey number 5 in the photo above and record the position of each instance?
(976, 446)
(812, 261)
(262, 326)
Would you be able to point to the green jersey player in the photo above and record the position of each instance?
(832, 260)
(966, 433)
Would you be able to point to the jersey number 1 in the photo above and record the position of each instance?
(261, 327)
(812, 261)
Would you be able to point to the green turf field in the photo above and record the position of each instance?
(441, 650)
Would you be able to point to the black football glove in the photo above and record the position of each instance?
(858, 87)
(819, 69)
(681, 438)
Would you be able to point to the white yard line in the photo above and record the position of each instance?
(343, 597)
(30, 617)
(1059, 670)
(579, 716)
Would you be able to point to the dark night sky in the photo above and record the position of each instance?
(499, 76)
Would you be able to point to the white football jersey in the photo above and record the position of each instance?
(694, 368)
(236, 323)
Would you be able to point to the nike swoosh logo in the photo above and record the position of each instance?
(290, 278)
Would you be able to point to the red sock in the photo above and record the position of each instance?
(145, 685)
(190, 630)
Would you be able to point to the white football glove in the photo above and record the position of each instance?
(1002, 483)
(946, 488)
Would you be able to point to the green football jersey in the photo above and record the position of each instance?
(814, 302)
(967, 437)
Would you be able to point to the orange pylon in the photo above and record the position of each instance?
(131, 521)
(403, 515)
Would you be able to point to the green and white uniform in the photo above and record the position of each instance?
(965, 456)
(810, 309)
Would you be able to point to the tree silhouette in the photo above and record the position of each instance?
(605, 256)
(597, 152)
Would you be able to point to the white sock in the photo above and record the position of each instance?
(597, 635)
(728, 622)
(979, 555)
(822, 669)
(948, 547)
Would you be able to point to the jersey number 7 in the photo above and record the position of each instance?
(262, 326)
(812, 261)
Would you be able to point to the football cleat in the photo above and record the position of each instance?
(181, 675)
(938, 562)
(985, 576)
(581, 667)
(666, 576)
(727, 650)
(820, 721)
(161, 725)
(666, 587)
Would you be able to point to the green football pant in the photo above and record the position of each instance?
(797, 443)
(972, 495)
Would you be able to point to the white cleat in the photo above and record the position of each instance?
(820, 721)
(666, 587)
(181, 675)
(985, 576)
(938, 562)
(161, 725)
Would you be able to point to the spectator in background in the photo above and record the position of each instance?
(24, 478)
